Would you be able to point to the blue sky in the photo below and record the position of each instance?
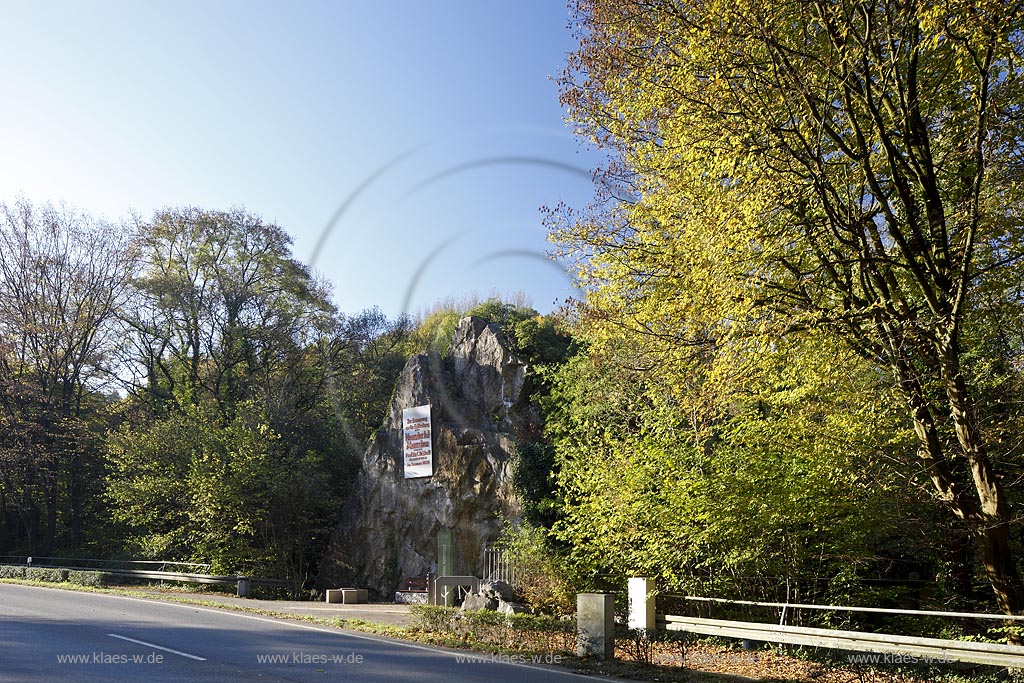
(434, 127)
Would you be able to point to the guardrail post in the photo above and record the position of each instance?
(641, 603)
(243, 586)
(595, 625)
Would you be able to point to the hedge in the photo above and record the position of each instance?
(82, 577)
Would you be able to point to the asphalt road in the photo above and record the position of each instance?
(51, 635)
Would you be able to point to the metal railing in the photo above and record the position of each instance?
(786, 606)
(499, 567)
(912, 648)
(929, 650)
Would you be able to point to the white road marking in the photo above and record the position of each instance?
(158, 647)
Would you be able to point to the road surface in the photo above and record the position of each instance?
(51, 635)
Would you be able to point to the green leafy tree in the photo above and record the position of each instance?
(235, 495)
(366, 354)
(849, 167)
(148, 483)
(232, 448)
(538, 575)
(435, 325)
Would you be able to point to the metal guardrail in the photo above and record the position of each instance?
(192, 578)
(159, 575)
(934, 650)
(94, 563)
(881, 646)
(910, 648)
(844, 608)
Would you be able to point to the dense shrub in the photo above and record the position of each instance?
(88, 578)
(47, 574)
(523, 632)
(82, 577)
(538, 576)
(11, 572)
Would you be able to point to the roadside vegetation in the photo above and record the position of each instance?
(182, 387)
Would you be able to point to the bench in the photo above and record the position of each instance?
(415, 583)
(413, 591)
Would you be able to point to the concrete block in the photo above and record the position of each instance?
(411, 598)
(348, 596)
(595, 625)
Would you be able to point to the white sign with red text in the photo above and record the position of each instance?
(419, 456)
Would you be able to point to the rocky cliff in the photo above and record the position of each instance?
(390, 524)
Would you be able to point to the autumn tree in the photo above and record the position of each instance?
(63, 277)
(796, 483)
(219, 304)
(780, 167)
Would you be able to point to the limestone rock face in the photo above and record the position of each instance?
(486, 371)
(390, 524)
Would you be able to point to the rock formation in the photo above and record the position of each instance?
(496, 596)
(390, 524)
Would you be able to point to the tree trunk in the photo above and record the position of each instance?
(959, 547)
(984, 511)
(75, 496)
(992, 517)
(49, 539)
(29, 514)
(1002, 572)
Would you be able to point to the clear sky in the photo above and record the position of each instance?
(416, 141)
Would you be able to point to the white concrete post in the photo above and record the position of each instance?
(641, 603)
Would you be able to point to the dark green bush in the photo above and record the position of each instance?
(52, 575)
(432, 617)
(46, 574)
(87, 578)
